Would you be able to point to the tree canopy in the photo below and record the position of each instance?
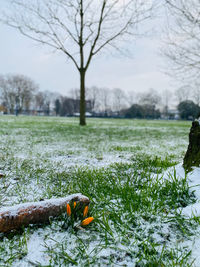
(188, 110)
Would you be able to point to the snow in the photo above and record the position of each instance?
(194, 183)
(192, 210)
(35, 247)
(195, 251)
(63, 154)
(178, 169)
(79, 160)
(36, 244)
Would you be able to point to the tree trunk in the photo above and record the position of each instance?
(15, 217)
(192, 156)
(82, 97)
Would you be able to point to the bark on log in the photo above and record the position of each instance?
(35, 212)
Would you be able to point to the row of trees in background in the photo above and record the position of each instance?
(16, 92)
(20, 94)
(186, 110)
(142, 112)
(81, 29)
(78, 29)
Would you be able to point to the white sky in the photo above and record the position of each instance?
(53, 72)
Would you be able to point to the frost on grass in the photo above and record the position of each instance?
(192, 211)
(33, 149)
(128, 232)
(119, 165)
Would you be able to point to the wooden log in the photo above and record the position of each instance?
(15, 217)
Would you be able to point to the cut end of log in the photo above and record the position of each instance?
(13, 218)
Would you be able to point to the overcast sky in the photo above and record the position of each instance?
(53, 72)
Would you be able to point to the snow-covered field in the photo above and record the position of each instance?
(145, 213)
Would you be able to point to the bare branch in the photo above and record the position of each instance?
(183, 38)
(78, 28)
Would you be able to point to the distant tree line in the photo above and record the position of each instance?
(188, 110)
(21, 95)
(16, 92)
(142, 112)
(66, 106)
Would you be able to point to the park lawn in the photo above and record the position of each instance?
(128, 170)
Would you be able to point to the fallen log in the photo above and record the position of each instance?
(15, 217)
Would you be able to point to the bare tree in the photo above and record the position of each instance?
(196, 93)
(105, 100)
(166, 96)
(92, 94)
(75, 93)
(48, 97)
(150, 97)
(17, 92)
(39, 100)
(78, 28)
(24, 88)
(119, 99)
(131, 97)
(7, 94)
(57, 106)
(45, 101)
(183, 38)
(183, 93)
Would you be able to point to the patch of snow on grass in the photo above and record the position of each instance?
(194, 210)
(35, 247)
(194, 182)
(191, 210)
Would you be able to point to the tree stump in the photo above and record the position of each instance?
(192, 156)
(12, 218)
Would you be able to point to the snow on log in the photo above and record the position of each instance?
(35, 212)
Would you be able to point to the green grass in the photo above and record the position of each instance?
(119, 165)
